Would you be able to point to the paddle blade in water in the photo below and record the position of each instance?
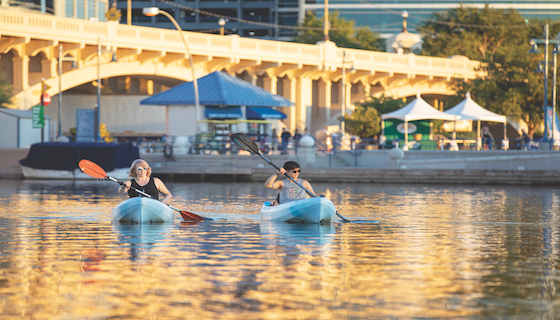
(92, 169)
(189, 216)
(246, 143)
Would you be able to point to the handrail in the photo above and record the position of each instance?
(331, 151)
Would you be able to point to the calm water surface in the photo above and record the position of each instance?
(415, 251)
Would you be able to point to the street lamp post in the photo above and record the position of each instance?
(222, 23)
(546, 41)
(154, 11)
(60, 60)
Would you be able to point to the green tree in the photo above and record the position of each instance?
(6, 93)
(499, 39)
(342, 32)
(365, 121)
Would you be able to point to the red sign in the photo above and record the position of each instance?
(45, 99)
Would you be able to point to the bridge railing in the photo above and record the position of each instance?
(325, 56)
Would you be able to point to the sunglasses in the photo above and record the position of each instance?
(142, 168)
(296, 171)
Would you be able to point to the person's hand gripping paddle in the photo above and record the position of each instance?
(93, 170)
(247, 144)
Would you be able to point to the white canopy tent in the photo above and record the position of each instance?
(416, 110)
(470, 110)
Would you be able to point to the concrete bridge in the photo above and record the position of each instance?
(139, 61)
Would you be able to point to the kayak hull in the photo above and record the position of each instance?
(316, 210)
(142, 210)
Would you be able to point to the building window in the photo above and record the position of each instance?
(80, 9)
(91, 9)
(69, 8)
(101, 10)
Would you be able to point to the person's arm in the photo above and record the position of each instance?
(272, 183)
(125, 188)
(307, 186)
(163, 189)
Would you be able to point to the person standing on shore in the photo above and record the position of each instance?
(286, 136)
(288, 190)
(274, 140)
(486, 139)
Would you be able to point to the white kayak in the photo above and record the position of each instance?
(311, 210)
(142, 210)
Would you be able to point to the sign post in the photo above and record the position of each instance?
(45, 101)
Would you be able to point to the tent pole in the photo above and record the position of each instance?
(478, 139)
(455, 128)
(405, 132)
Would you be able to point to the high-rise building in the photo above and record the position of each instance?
(276, 19)
(79, 9)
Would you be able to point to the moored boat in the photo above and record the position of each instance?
(59, 160)
(311, 210)
(142, 210)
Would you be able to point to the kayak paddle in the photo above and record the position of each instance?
(247, 144)
(93, 170)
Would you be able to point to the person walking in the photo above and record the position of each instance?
(274, 137)
(286, 136)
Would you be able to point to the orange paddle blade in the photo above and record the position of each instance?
(189, 216)
(92, 169)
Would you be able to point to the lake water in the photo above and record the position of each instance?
(414, 251)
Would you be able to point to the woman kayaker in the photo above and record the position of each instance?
(142, 179)
(289, 191)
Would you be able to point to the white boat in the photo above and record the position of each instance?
(76, 174)
(142, 210)
(312, 210)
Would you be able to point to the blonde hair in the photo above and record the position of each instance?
(133, 173)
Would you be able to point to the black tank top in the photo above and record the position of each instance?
(150, 188)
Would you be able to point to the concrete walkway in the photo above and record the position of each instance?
(434, 167)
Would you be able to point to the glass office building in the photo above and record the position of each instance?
(275, 19)
(80, 9)
(384, 16)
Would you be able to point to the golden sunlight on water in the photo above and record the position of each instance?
(413, 251)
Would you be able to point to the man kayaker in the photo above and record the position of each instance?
(142, 179)
(289, 191)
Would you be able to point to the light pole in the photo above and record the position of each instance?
(60, 60)
(98, 106)
(222, 23)
(154, 11)
(326, 22)
(546, 41)
(555, 51)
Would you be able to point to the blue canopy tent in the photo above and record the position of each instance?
(219, 89)
(223, 97)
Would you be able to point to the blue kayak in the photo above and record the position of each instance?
(312, 210)
(142, 210)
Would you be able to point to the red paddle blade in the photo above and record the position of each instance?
(189, 216)
(92, 169)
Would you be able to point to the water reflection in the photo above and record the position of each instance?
(437, 252)
(140, 237)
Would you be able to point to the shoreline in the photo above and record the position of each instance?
(422, 167)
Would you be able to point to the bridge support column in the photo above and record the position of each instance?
(270, 84)
(324, 98)
(304, 102)
(21, 73)
(289, 85)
